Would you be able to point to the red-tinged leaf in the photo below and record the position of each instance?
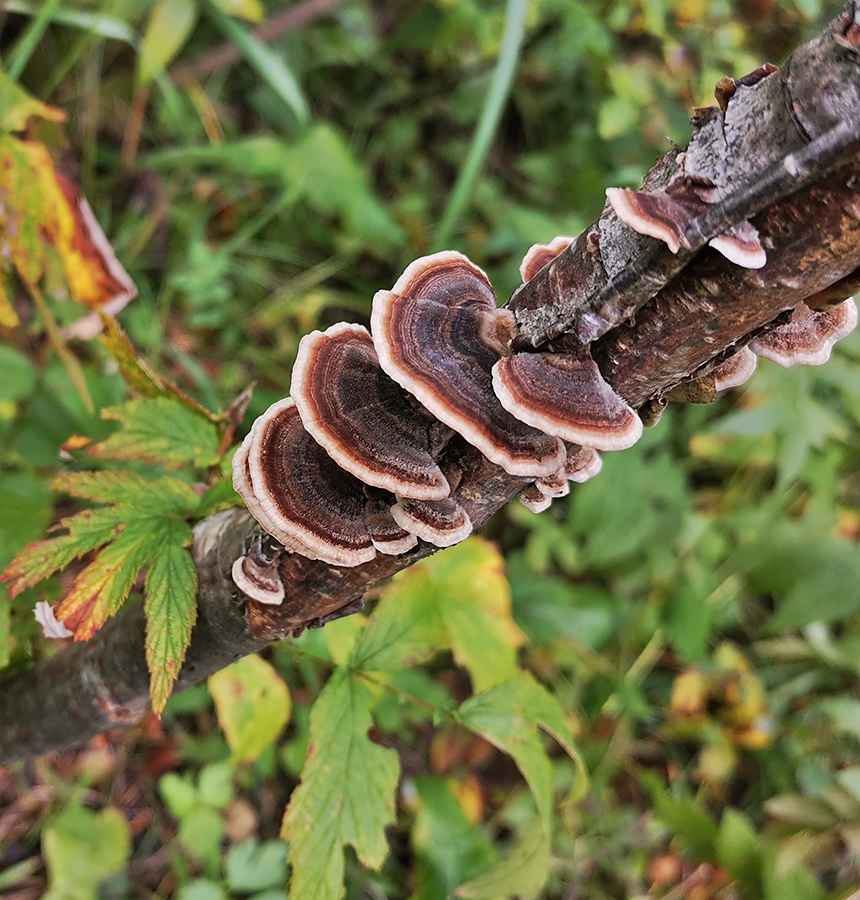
(17, 106)
(103, 586)
(37, 561)
(139, 375)
(171, 609)
(44, 214)
(158, 430)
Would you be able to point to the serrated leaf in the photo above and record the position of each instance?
(522, 873)
(17, 106)
(253, 706)
(458, 599)
(158, 430)
(140, 497)
(102, 587)
(138, 374)
(170, 606)
(508, 716)
(346, 795)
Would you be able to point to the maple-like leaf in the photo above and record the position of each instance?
(460, 600)
(346, 795)
(162, 431)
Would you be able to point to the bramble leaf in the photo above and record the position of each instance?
(253, 705)
(159, 430)
(170, 607)
(346, 795)
(459, 599)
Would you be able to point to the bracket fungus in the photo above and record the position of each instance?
(534, 499)
(306, 499)
(565, 394)
(258, 581)
(387, 536)
(809, 335)
(736, 370)
(362, 418)
(438, 334)
(669, 215)
(540, 254)
(439, 522)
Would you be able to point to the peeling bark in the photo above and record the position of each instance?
(661, 320)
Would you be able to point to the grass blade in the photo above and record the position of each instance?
(515, 26)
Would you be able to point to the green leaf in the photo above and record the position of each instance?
(170, 607)
(168, 27)
(19, 374)
(81, 849)
(253, 706)
(215, 786)
(508, 716)
(523, 873)
(250, 866)
(449, 850)
(738, 848)
(693, 827)
(458, 599)
(17, 106)
(346, 795)
(158, 430)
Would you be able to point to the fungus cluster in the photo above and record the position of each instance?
(352, 464)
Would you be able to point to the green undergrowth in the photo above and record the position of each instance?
(649, 690)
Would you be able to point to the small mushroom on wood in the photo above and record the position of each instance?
(736, 370)
(534, 499)
(667, 215)
(565, 394)
(304, 495)
(387, 536)
(808, 337)
(362, 418)
(439, 522)
(258, 581)
(583, 463)
(438, 334)
(540, 254)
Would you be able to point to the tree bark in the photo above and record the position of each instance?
(658, 320)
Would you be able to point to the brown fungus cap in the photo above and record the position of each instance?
(736, 370)
(583, 463)
(387, 536)
(259, 582)
(438, 335)
(808, 338)
(304, 494)
(565, 394)
(362, 418)
(555, 485)
(541, 254)
(439, 522)
(666, 215)
(534, 499)
(245, 489)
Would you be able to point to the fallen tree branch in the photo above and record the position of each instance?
(687, 321)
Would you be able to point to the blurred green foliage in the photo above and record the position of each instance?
(693, 610)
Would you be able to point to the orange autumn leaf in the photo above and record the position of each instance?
(42, 214)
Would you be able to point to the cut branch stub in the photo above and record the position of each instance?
(361, 417)
(808, 337)
(304, 495)
(565, 394)
(438, 335)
